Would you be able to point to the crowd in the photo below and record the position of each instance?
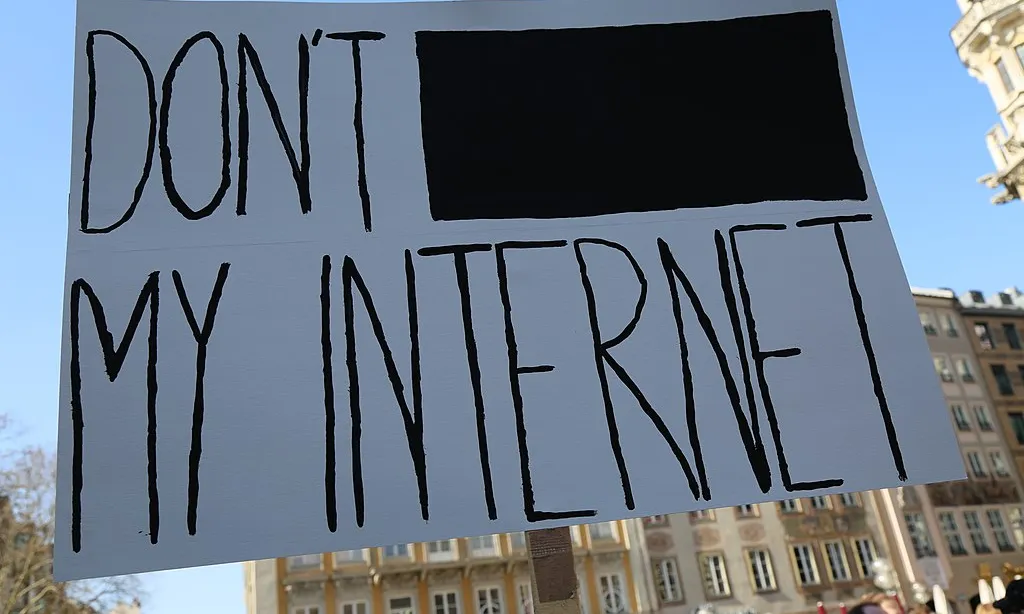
(881, 603)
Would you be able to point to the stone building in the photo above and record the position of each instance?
(773, 557)
(479, 575)
(997, 326)
(954, 533)
(990, 42)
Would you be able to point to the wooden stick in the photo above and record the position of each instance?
(553, 571)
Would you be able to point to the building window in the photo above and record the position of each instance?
(978, 539)
(1012, 337)
(984, 335)
(445, 550)
(716, 578)
(999, 466)
(1002, 380)
(613, 594)
(792, 506)
(965, 370)
(1004, 76)
(517, 540)
(349, 556)
(806, 567)
(838, 567)
(666, 576)
(483, 546)
(849, 499)
(747, 511)
(977, 465)
(864, 548)
(951, 533)
(306, 609)
(998, 526)
(942, 368)
(960, 418)
(927, 323)
(602, 531)
(819, 503)
(1017, 524)
(305, 561)
(446, 603)
(488, 601)
(397, 551)
(950, 325)
(919, 536)
(525, 594)
(984, 419)
(400, 605)
(702, 516)
(577, 534)
(762, 575)
(355, 607)
(1017, 424)
(656, 521)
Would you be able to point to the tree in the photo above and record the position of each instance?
(27, 487)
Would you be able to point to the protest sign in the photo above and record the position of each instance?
(346, 275)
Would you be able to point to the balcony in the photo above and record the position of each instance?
(1007, 153)
(971, 492)
(484, 547)
(517, 543)
(351, 562)
(304, 571)
(604, 537)
(979, 12)
(398, 558)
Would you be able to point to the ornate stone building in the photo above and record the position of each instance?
(990, 42)
(479, 575)
(772, 557)
(954, 533)
(997, 327)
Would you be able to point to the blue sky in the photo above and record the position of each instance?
(923, 120)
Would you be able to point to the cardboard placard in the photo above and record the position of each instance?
(345, 275)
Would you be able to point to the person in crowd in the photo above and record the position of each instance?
(887, 603)
(1013, 602)
(866, 607)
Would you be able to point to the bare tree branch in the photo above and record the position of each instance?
(27, 489)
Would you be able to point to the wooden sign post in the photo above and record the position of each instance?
(553, 571)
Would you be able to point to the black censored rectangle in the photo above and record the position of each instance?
(583, 122)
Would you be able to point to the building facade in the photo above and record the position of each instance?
(776, 558)
(990, 42)
(997, 326)
(773, 557)
(954, 533)
(479, 575)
